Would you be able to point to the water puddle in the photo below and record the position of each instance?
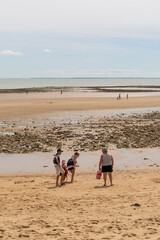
(6, 133)
(43, 162)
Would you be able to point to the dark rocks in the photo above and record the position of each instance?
(133, 131)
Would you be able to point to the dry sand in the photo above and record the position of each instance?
(31, 208)
(21, 105)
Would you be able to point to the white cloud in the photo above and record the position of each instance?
(10, 53)
(47, 50)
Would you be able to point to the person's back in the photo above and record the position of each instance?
(56, 157)
(106, 161)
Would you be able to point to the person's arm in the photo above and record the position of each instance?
(100, 162)
(112, 161)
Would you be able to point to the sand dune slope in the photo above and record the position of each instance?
(31, 208)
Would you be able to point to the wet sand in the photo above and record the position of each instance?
(21, 105)
(32, 208)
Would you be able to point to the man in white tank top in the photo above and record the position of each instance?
(106, 165)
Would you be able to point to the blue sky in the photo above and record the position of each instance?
(80, 38)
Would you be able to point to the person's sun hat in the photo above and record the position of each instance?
(59, 150)
(105, 149)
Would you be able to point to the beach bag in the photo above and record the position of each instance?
(98, 175)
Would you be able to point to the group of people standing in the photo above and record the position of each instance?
(62, 169)
(106, 164)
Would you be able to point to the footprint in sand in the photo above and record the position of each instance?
(24, 235)
(94, 221)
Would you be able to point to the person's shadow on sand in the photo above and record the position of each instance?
(59, 186)
(104, 186)
(51, 187)
(101, 186)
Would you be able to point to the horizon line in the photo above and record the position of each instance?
(1, 78)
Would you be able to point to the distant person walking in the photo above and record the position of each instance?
(119, 96)
(106, 165)
(127, 96)
(71, 164)
(59, 169)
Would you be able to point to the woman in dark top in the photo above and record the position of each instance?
(71, 164)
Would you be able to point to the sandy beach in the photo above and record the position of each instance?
(22, 105)
(31, 208)
(79, 90)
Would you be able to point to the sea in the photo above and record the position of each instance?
(15, 83)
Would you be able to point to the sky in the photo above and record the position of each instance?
(79, 38)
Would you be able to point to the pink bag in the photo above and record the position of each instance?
(98, 175)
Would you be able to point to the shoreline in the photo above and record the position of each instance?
(81, 173)
(110, 88)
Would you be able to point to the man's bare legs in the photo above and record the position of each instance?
(110, 178)
(57, 179)
(62, 178)
(105, 178)
(73, 173)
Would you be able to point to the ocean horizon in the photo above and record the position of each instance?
(14, 83)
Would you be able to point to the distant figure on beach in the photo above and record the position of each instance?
(106, 165)
(71, 164)
(61, 91)
(127, 96)
(119, 96)
(59, 169)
